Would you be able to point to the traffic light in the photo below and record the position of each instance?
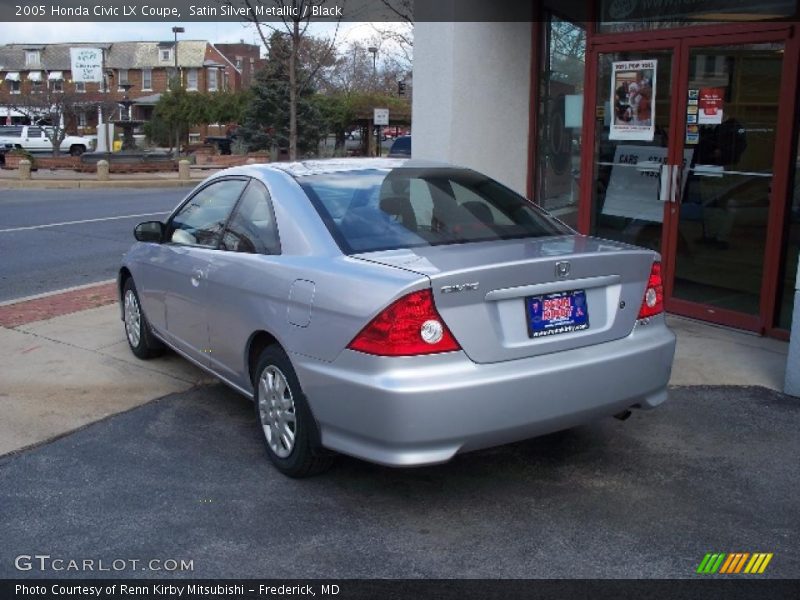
(401, 88)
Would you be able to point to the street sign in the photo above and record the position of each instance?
(381, 116)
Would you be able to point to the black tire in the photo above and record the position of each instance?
(304, 457)
(77, 150)
(144, 345)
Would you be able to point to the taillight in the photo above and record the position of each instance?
(408, 326)
(653, 302)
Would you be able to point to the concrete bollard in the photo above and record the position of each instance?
(24, 171)
(792, 384)
(102, 170)
(183, 170)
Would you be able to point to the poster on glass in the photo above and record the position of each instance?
(633, 89)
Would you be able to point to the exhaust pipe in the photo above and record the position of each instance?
(622, 415)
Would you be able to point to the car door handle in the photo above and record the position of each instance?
(197, 275)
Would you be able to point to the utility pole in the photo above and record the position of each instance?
(176, 31)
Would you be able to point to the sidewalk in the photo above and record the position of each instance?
(66, 364)
(60, 179)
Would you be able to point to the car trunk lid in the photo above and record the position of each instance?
(480, 290)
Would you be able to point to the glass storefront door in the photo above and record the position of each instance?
(632, 144)
(732, 102)
(684, 133)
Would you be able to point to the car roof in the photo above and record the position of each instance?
(339, 165)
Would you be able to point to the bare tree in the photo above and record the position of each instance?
(355, 69)
(294, 22)
(47, 105)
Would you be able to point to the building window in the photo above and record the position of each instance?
(80, 87)
(212, 80)
(82, 120)
(14, 86)
(31, 58)
(560, 119)
(147, 79)
(191, 79)
(35, 77)
(239, 62)
(57, 85)
(165, 54)
(122, 77)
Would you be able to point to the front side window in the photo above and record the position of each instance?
(212, 80)
(31, 58)
(13, 86)
(252, 228)
(201, 220)
(80, 87)
(123, 77)
(377, 209)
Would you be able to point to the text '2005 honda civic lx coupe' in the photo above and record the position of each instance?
(397, 311)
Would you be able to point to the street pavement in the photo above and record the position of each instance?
(40, 257)
(186, 477)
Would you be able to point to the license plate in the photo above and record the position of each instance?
(561, 312)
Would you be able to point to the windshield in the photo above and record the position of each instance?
(375, 209)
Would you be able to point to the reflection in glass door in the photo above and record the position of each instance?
(731, 124)
(632, 110)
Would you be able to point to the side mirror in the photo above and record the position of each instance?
(149, 231)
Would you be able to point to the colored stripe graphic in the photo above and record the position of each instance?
(711, 563)
(730, 563)
(758, 563)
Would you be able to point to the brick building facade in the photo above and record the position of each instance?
(146, 66)
(245, 57)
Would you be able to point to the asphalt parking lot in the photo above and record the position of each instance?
(185, 477)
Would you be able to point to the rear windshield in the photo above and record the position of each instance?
(376, 209)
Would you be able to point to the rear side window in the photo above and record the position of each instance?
(252, 227)
(374, 209)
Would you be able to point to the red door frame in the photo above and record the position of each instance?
(680, 41)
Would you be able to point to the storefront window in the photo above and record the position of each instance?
(637, 15)
(790, 252)
(560, 118)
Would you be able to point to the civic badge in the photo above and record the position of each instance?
(562, 269)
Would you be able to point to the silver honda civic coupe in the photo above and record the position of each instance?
(397, 311)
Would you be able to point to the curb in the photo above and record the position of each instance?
(56, 304)
(90, 184)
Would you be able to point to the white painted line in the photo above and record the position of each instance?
(28, 228)
(56, 292)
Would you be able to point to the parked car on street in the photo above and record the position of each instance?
(401, 147)
(397, 311)
(33, 138)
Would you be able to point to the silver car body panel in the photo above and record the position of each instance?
(502, 386)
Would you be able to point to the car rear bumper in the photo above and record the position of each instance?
(423, 410)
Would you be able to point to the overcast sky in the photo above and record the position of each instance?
(43, 33)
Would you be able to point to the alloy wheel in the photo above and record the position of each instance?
(133, 318)
(277, 411)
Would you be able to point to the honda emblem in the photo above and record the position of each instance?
(562, 269)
